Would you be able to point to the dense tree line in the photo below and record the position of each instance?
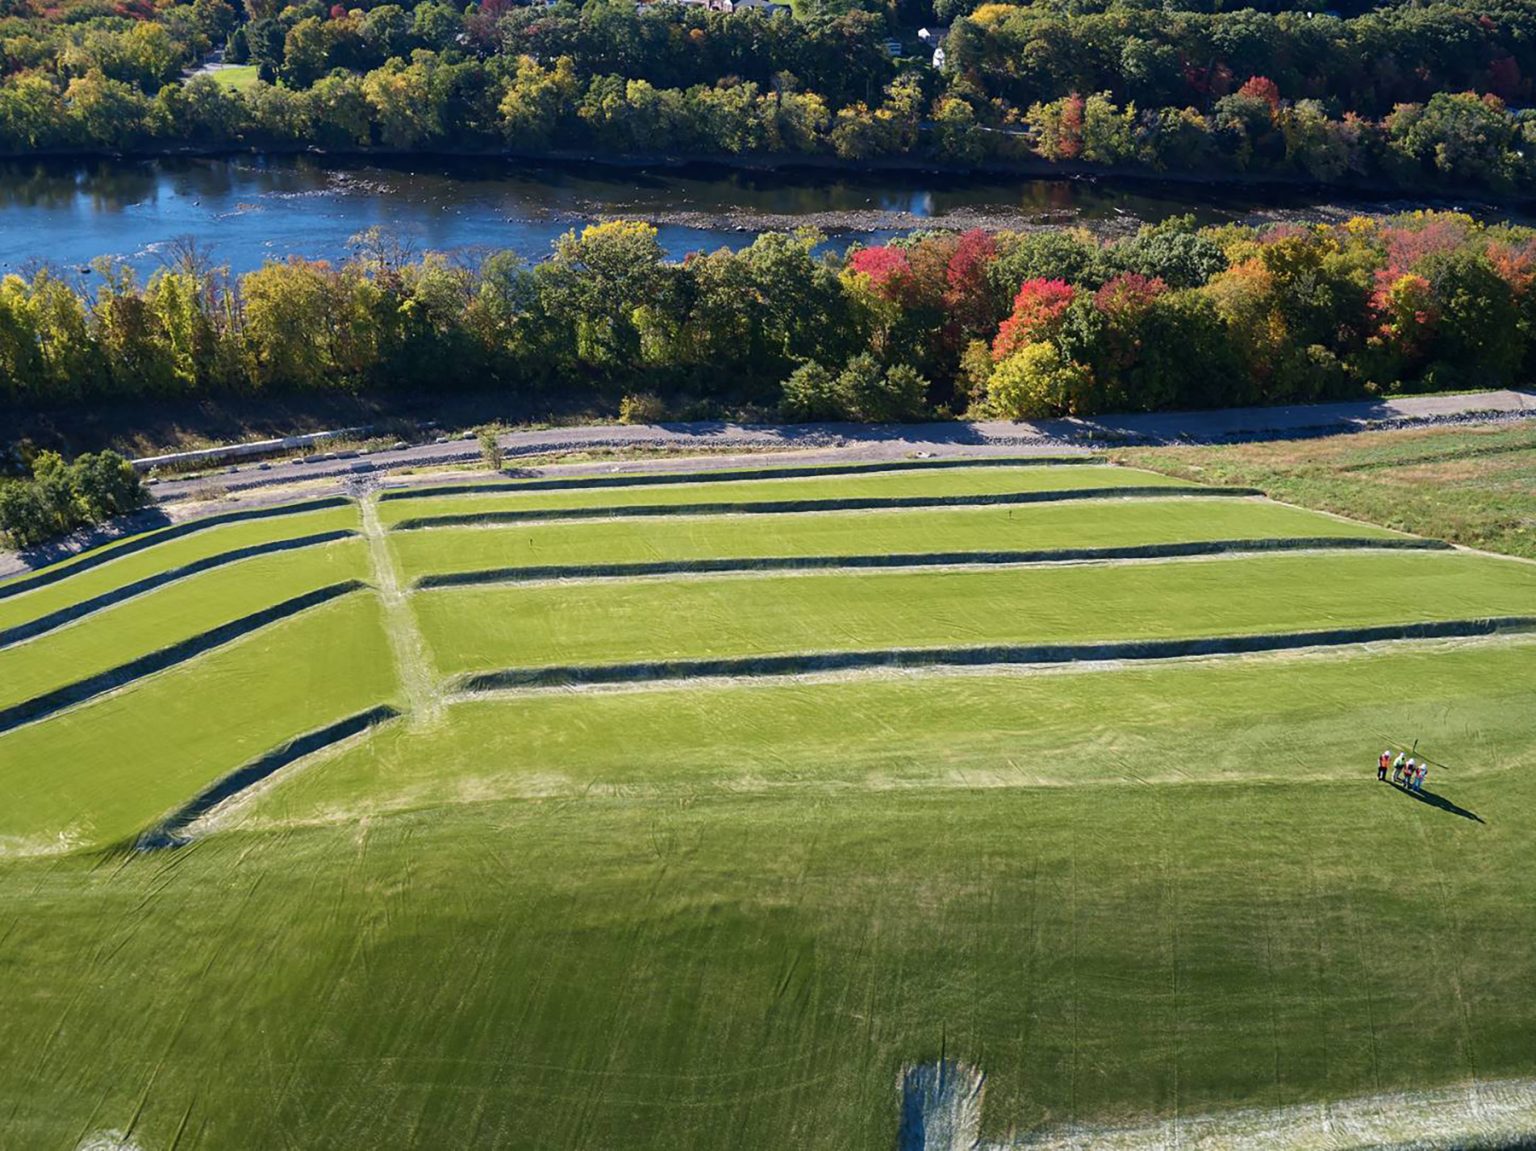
(1401, 95)
(59, 497)
(1011, 324)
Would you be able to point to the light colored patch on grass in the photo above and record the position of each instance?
(108, 1141)
(1474, 486)
(1477, 1116)
(413, 666)
(941, 1107)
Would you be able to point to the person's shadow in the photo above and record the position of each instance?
(1442, 803)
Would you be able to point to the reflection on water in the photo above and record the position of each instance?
(250, 209)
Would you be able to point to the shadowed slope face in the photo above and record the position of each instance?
(677, 916)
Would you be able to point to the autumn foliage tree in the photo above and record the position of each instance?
(1037, 310)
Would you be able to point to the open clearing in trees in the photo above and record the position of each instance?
(1148, 900)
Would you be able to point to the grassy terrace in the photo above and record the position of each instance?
(158, 537)
(611, 622)
(1035, 527)
(104, 771)
(1216, 721)
(29, 605)
(948, 482)
(156, 620)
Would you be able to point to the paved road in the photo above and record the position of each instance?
(838, 441)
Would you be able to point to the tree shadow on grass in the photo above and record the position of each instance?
(1443, 804)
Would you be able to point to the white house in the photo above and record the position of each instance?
(934, 38)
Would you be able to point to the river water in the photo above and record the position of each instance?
(250, 209)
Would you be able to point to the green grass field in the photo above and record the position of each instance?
(237, 77)
(30, 605)
(1031, 527)
(948, 482)
(684, 915)
(615, 621)
(171, 614)
(1471, 485)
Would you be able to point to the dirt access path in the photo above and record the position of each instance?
(412, 664)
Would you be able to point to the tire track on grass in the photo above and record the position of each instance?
(412, 664)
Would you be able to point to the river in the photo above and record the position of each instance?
(246, 210)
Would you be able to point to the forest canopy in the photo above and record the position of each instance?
(1406, 96)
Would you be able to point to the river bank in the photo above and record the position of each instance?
(1212, 182)
(252, 208)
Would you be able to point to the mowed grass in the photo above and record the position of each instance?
(1474, 486)
(1246, 720)
(694, 618)
(170, 614)
(947, 482)
(237, 77)
(1031, 527)
(40, 601)
(96, 774)
(651, 973)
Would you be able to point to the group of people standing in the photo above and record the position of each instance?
(1405, 772)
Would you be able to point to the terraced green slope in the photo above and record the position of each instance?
(158, 537)
(613, 622)
(1041, 526)
(172, 554)
(1213, 721)
(103, 772)
(687, 915)
(161, 618)
(950, 482)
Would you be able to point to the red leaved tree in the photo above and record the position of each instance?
(1037, 311)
